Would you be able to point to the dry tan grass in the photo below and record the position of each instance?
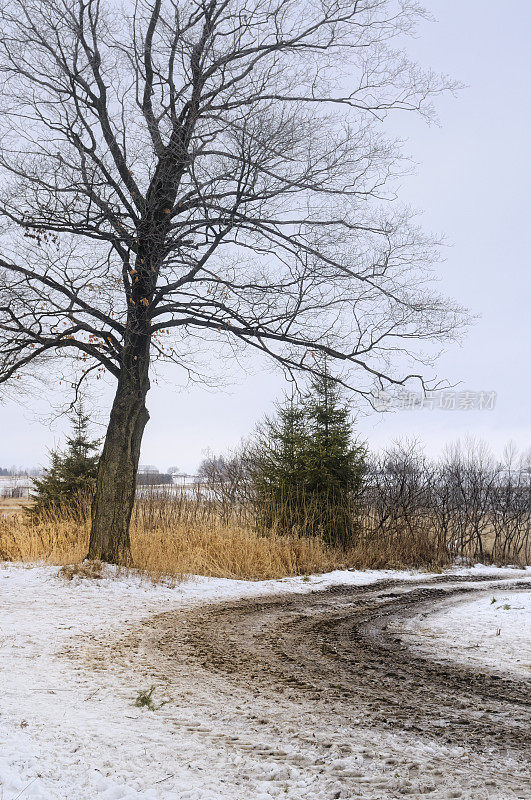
(231, 552)
(13, 505)
(213, 547)
(175, 536)
(83, 569)
(54, 541)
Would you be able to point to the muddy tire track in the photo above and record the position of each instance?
(332, 649)
(316, 696)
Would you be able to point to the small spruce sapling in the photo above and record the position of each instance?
(70, 480)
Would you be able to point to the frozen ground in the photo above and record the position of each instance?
(73, 656)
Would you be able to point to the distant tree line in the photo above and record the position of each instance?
(19, 472)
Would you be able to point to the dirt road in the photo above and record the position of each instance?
(332, 648)
(320, 685)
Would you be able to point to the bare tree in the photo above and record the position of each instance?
(206, 170)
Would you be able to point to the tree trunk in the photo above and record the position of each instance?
(116, 483)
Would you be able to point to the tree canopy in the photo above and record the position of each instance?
(214, 169)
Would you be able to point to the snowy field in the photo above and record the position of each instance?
(71, 730)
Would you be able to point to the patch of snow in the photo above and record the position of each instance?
(492, 631)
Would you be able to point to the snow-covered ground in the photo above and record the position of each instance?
(491, 631)
(72, 731)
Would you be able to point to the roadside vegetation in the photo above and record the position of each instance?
(302, 495)
(409, 512)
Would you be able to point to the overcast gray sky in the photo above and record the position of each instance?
(472, 183)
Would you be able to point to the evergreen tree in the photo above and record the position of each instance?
(305, 468)
(277, 467)
(70, 480)
(335, 464)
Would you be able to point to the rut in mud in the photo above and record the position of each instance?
(332, 648)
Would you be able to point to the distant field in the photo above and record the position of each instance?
(13, 505)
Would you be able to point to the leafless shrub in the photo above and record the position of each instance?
(417, 511)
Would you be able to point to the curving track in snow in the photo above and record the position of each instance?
(337, 656)
(297, 694)
(333, 650)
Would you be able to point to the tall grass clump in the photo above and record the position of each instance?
(174, 534)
